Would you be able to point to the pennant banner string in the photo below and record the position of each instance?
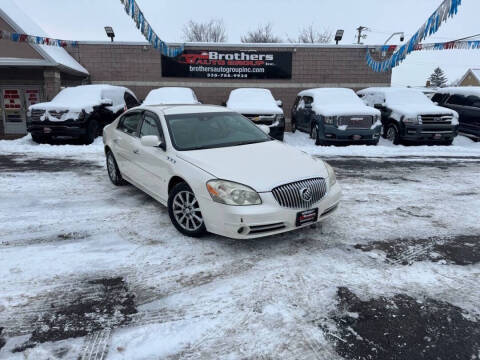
(447, 9)
(133, 10)
(38, 40)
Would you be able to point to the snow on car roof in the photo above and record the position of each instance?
(171, 95)
(462, 90)
(332, 96)
(185, 109)
(20, 22)
(394, 95)
(246, 95)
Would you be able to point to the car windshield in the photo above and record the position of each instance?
(403, 97)
(212, 130)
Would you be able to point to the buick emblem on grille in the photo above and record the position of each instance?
(306, 193)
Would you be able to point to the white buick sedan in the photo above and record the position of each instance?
(218, 172)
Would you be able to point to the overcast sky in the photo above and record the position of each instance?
(85, 20)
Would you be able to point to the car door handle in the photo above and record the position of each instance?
(136, 151)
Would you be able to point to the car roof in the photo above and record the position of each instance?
(323, 91)
(183, 109)
(387, 90)
(461, 90)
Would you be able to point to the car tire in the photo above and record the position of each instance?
(314, 135)
(184, 211)
(92, 132)
(40, 139)
(383, 132)
(393, 134)
(113, 170)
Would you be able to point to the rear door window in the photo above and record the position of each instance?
(129, 123)
(457, 100)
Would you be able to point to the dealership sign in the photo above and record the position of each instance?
(229, 65)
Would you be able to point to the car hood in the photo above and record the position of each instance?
(53, 106)
(261, 166)
(413, 110)
(345, 110)
(255, 108)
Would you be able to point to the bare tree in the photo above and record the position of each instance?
(210, 31)
(309, 35)
(263, 34)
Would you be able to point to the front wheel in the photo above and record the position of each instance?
(393, 134)
(184, 211)
(315, 135)
(92, 132)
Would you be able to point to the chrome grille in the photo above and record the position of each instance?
(436, 119)
(36, 115)
(290, 196)
(356, 122)
(57, 114)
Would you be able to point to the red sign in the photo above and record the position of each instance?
(11, 99)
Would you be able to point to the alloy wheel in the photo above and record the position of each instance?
(186, 211)
(112, 168)
(391, 134)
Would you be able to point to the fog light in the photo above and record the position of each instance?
(242, 230)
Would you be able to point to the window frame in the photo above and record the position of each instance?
(120, 123)
(156, 118)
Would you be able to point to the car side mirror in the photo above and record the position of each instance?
(378, 106)
(107, 102)
(265, 129)
(152, 141)
(279, 103)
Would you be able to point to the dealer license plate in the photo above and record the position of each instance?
(47, 130)
(357, 137)
(437, 136)
(307, 217)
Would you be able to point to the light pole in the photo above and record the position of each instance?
(402, 38)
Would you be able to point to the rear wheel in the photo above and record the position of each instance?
(393, 134)
(113, 170)
(184, 211)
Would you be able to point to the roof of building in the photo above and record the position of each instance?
(53, 55)
(474, 72)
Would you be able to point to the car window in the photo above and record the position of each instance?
(129, 123)
(130, 101)
(150, 126)
(308, 100)
(457, 100)
(473, 101)
(438, 98)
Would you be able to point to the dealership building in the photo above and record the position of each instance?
(31, 73)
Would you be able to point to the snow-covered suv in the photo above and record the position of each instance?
(260, 106)
(410, 116)
(79, 112)
(335, 116)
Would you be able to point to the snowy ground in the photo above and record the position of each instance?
(91, 271)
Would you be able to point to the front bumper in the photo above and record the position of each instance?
(429, 133)
(269, 218)
(333, 135)
(50, 128)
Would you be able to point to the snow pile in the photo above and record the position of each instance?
(252, 101)
(171, 96)
(26, 145)
(462, 147)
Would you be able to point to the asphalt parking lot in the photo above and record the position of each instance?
(91, 271)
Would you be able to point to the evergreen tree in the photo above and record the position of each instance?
(438, 78)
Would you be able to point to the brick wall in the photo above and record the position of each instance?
(138, 67)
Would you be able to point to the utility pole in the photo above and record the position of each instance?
(361, 36)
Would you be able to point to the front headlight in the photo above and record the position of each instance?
(329, 120)
(332, 178)
(412, 120)
(231, 193)
(280, 119)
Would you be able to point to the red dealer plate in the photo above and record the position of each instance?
(307, 217)
(47, 130)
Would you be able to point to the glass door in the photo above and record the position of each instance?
(14, 112)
